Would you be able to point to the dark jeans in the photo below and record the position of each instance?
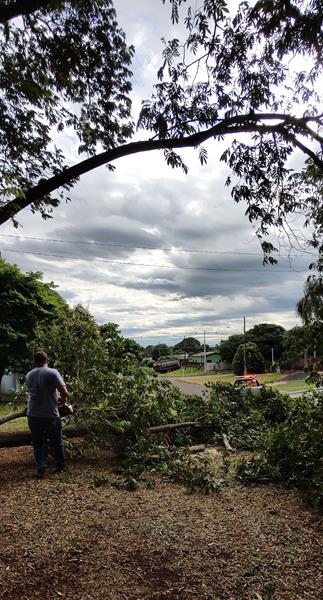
(41, 429)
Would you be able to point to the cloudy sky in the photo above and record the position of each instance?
(163, 254)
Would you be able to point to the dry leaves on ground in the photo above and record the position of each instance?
(82, 536)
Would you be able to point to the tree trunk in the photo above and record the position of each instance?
(14, 415)
(23, 438)
(227, 444)
(195, 449)
(170, 426)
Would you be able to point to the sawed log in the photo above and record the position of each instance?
(11, 439)
(23, 438)
(14, 415)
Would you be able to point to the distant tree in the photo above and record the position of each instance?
(189, 345)
(267, 336)
(27, 306)
(254, 358)
(310, 309)
(160, 351)
(293, 345)
(73, 343)
(120, 352)
(229, 347)
(147, 351)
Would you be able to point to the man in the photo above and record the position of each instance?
(42, 411)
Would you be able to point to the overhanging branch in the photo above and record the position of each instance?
(22, 8)
(249, 123)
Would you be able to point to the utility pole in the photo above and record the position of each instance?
(272, 357)
(244, 347)
(204, 351)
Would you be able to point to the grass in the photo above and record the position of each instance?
(190, 376)
(181, 373)
(16, 425)
(294, 386)
(229, 378)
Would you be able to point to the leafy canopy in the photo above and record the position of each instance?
(189, 344)
(254, 359)
(63, 68)
(251, 71)
(27, 306)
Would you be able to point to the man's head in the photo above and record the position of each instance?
(40, 359)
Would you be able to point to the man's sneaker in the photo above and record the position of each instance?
(40, 473)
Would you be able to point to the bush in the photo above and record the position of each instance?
(244, 416)
(293, 452)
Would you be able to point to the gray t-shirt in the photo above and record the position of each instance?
(42, 383)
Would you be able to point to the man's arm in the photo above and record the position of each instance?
(63, 393)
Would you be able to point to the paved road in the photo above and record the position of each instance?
(188, 388)
(197, 388)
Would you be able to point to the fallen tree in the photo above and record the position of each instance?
(14, 439)
(12, 416)
(23, 438)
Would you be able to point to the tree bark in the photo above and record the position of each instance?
(170, 426)
(12, 416)
(13, 439)
(20, 8)
(22, 438)
(227, 444)
(195, 449)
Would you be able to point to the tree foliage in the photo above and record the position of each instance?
(120, 352)
(63, 67)
(310, 309)
(293, 347)
(267, 336)
(80, 349)
(234, 73)
(160, 351)
(292, 451)
(254, 359)
(74, 344)
(189, 345)
(228, 348)
(27, 306)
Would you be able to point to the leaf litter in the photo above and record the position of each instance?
(83, 536)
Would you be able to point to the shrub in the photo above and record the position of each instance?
(293, 451)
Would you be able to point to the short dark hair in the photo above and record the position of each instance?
(40, 359)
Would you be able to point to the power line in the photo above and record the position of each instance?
(119, 262)
(199, 251)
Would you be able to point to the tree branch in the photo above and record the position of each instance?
(249, 123)
(22, 8)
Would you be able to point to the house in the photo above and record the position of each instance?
(213, 361)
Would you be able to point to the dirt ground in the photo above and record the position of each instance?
(81, 536)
